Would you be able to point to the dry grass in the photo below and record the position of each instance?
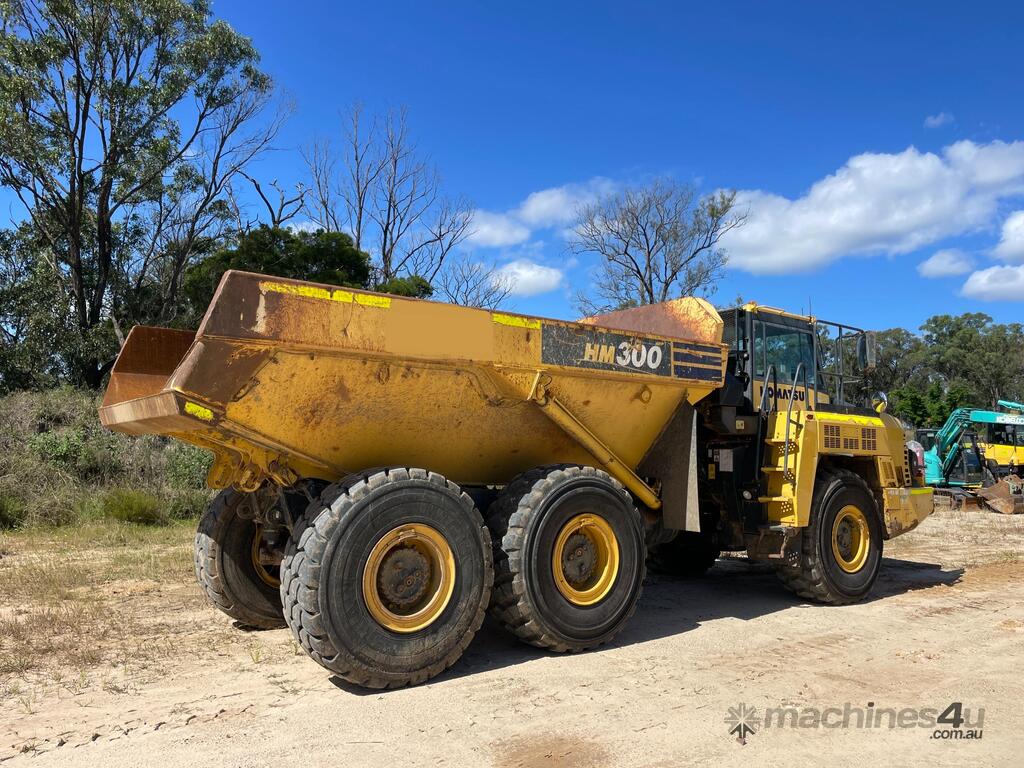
(80, 600)
(106, 608)
(963, 538)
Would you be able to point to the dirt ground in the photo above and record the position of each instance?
(179, 686)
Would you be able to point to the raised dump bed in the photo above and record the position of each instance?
(288, 380)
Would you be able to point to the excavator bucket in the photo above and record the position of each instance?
(1005, 497)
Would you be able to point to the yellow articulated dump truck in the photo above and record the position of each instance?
(393, 468)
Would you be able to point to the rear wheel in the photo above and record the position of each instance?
(569, 557)
(237, 561)
(386, 578)
(841, 549)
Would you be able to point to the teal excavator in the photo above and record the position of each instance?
(955, 463)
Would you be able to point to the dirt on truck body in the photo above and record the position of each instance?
(393, 468)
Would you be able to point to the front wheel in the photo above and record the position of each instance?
(841, 551)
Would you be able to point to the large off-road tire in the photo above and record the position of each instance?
(841, 550)
(568, 557)
(229, 565)
(387, 576)
(688, 555)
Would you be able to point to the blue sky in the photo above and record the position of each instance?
(864, 138)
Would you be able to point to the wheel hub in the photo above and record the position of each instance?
(585, 559)
(579, 559)
(844, 538)
(266, 555)
(408, 578)
(851, 539)
(403, 577)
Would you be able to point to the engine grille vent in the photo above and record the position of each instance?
(832, 432)
(869, 439)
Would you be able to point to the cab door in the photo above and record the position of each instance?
(784, 343)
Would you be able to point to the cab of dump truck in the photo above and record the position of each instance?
(794, 414)
(798, 357)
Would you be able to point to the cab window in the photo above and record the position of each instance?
(785, 348)
(1005, 434)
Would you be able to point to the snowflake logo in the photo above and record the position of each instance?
(743, 721)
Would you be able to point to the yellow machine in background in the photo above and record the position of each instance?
(392, 468)
(1003, 444)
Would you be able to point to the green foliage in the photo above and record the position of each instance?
(187, 466)
(322, 257)
(36, 333)
(414, 286)
(130, 505)
(121, 185)
(84, 455)
(187, 503)
(963, 360)
(59, 467)
(930, 407)
(984, 357)
(12, 511)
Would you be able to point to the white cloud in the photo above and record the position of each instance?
(996, 284)
(946, 263)
(529, 278)
(878, 203)
(937, 121)
(558, 205)
(1011, 244)
(553, 207)
(496, 230)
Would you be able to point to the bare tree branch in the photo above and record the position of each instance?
(285, 208)
(387, 195)
(473, 283)
(655, 243)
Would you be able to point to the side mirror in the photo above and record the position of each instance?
(867, 351)
(880, 401)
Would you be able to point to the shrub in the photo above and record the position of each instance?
(187, 466)
(12, 511)
(60, 506)
(188, 504)
(60, 467)
(86, 456)
(133, 506)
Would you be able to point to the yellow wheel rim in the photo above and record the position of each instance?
(264, 558)
(851, 539)
(409, 578)
(585, 560)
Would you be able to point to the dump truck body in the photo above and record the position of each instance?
(286, 380)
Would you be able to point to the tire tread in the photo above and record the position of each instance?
(206, 559)
(508, 518)
(807, 579)
(301, 569)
